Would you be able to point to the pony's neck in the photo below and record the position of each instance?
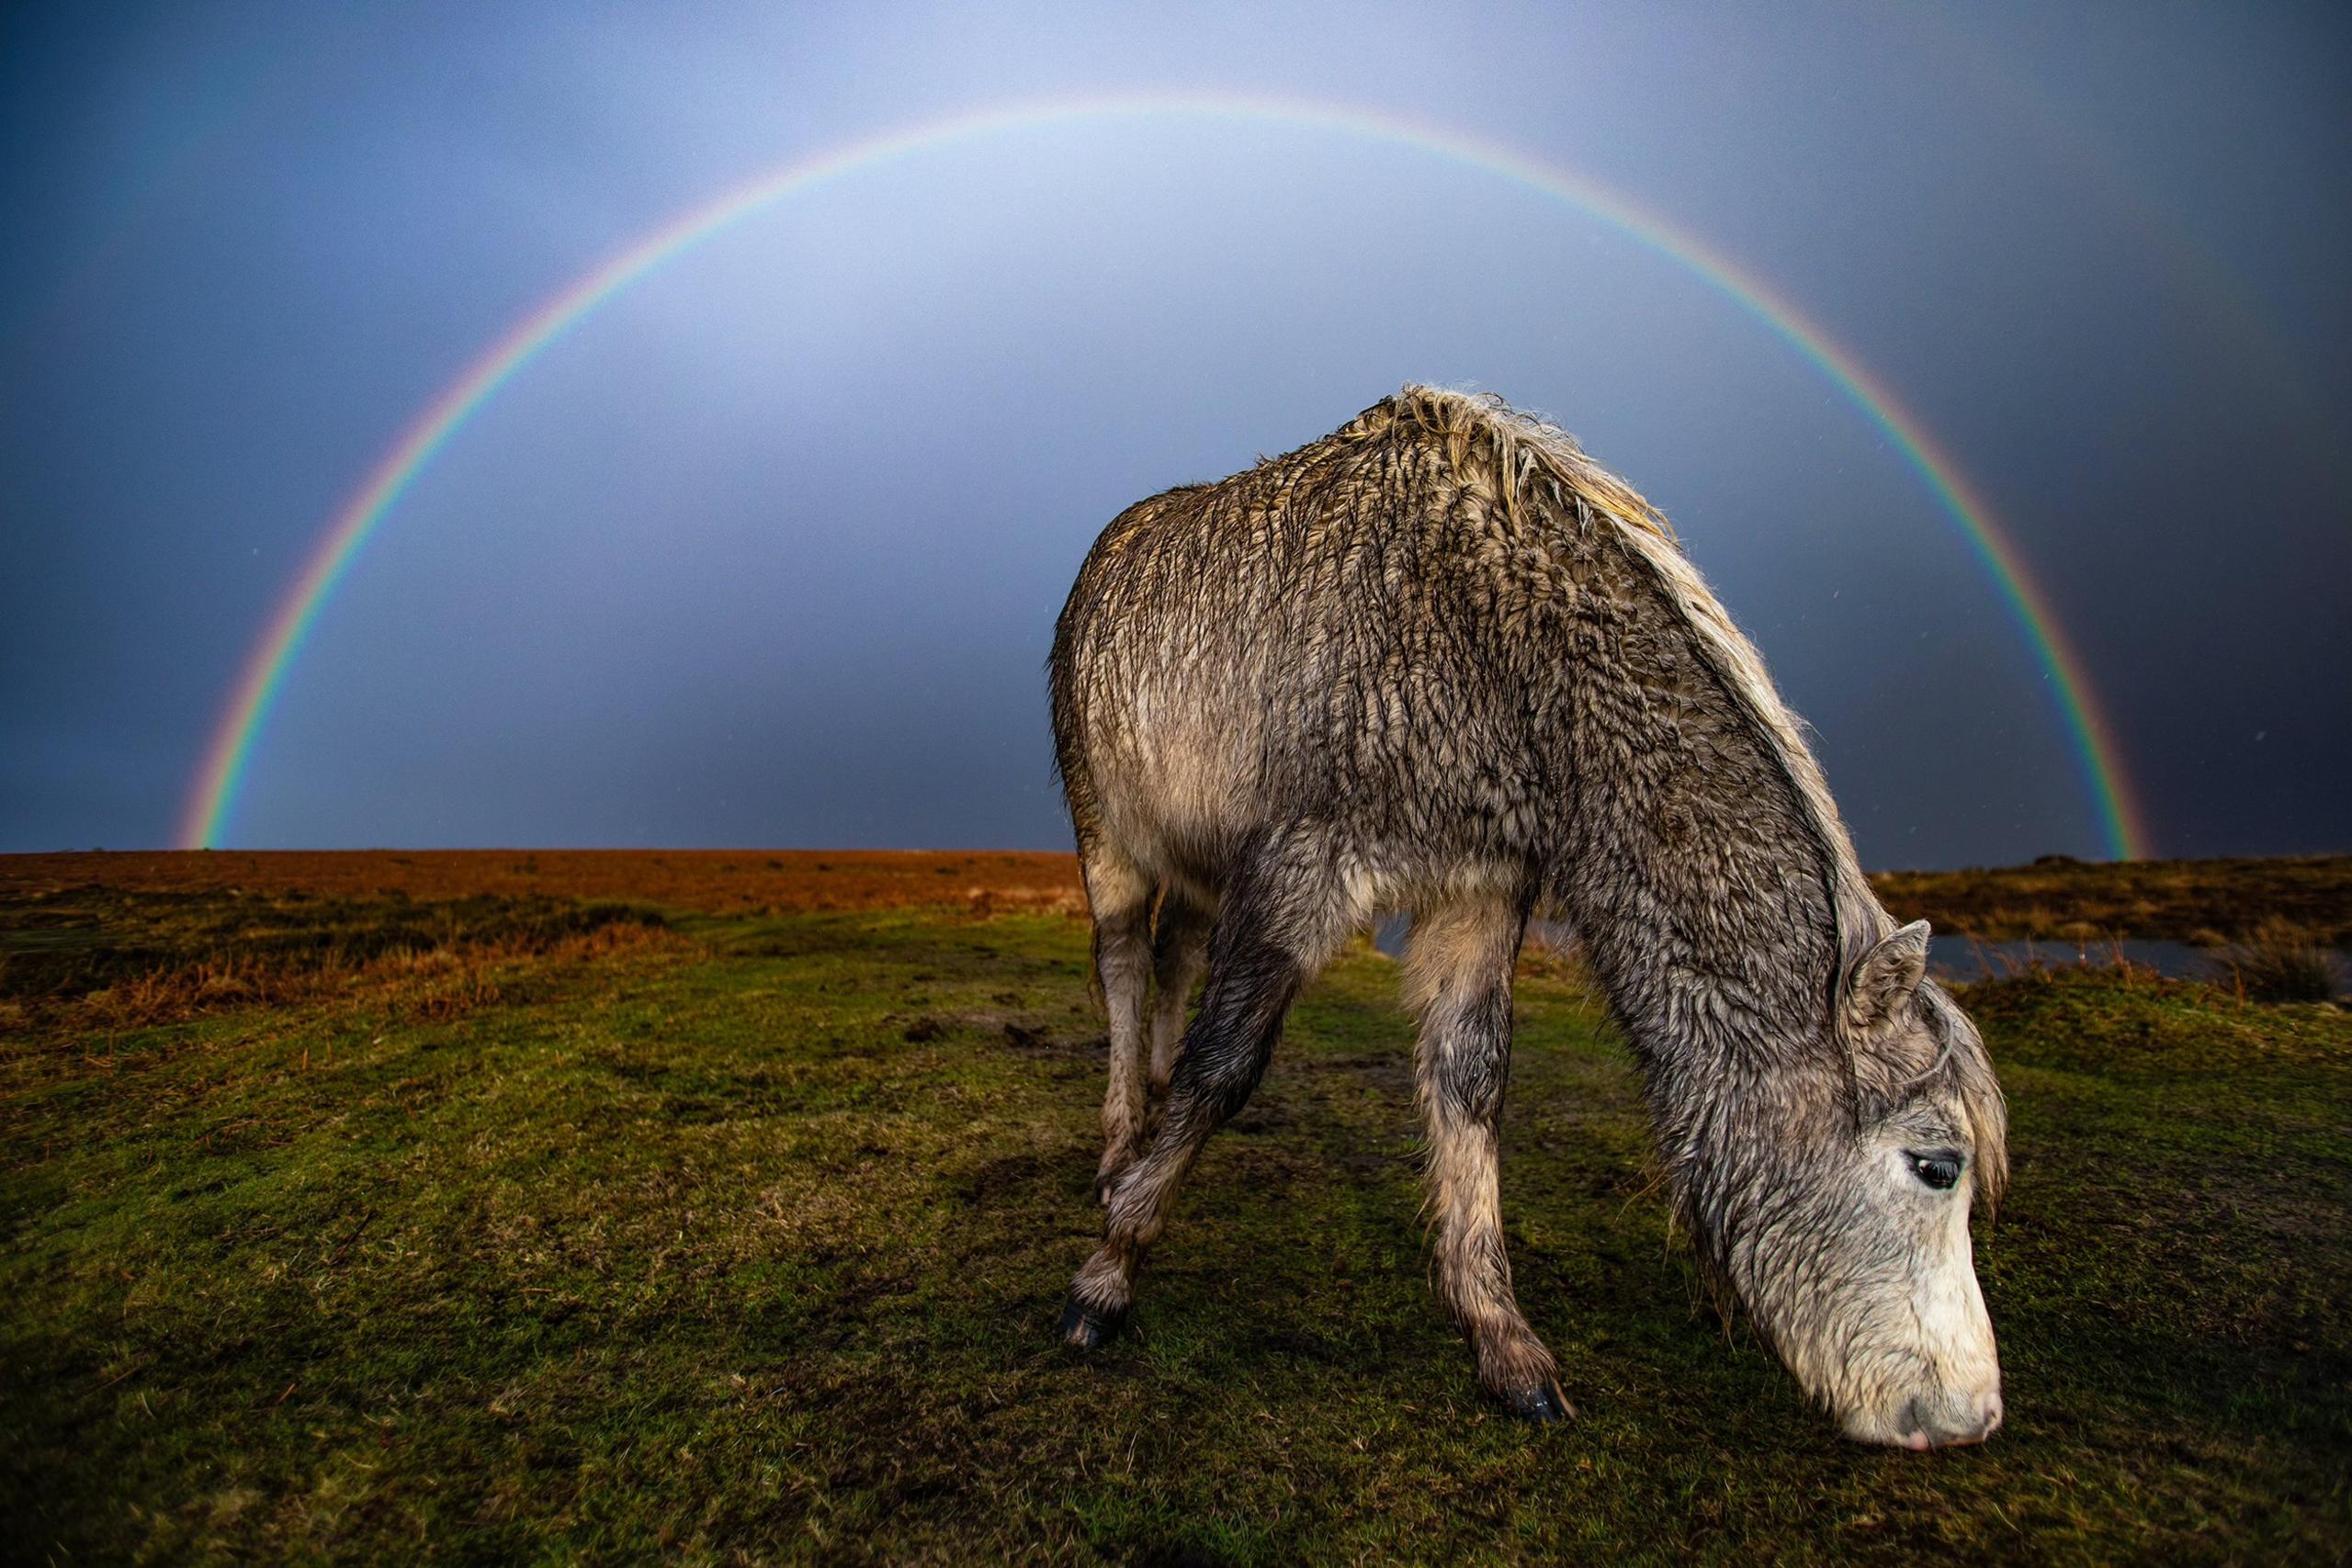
(1722, 986)
(1736, 970)
(1704, 869)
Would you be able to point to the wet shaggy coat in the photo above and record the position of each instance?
(1441, 662)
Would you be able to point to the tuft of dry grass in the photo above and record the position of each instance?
(2281, 961)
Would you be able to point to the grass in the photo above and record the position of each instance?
(121, 957)
(741, 1236)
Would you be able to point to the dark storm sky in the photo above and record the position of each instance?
(767, 551)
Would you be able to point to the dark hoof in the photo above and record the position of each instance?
(1085, 1328)
(1544, 1401)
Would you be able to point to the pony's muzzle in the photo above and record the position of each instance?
(1938, 1419)
(1947, 1420)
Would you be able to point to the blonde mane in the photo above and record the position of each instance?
(1530, 464)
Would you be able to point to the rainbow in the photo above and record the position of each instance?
(212, 798)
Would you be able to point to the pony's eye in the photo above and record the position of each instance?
(1939, 1171)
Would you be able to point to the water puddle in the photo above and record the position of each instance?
(1963, 958)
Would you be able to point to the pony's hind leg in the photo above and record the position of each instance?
(1180, 952)
(1458, 964)
(1281, 920)
(1119, 895)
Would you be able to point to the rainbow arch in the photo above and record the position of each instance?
(212, 796)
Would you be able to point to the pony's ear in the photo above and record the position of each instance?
(1886, 978)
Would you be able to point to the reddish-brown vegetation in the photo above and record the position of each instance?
(100, 941)
(2206, 902)
(715, 881)
(2055, 898)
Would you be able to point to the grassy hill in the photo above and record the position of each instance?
(355, 1220)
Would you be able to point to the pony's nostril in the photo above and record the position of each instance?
(1969, 1423)
(1946, 1420)
(1980, 1418)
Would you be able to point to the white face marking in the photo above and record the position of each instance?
(1954, 1323)
(1931, 1372)
(1884, 1322)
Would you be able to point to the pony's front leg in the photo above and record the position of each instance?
(1458, 964)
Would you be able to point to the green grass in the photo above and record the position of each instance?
(747, 1243)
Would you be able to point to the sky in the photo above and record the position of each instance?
(764, 549)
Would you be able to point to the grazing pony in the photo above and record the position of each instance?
(1441, 662)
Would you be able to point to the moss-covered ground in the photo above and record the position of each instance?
(742, 1238)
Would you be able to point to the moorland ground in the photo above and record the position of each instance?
(582, 1206)
(2056, 898)
(2204, 901)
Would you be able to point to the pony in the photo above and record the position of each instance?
(1441, 662)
